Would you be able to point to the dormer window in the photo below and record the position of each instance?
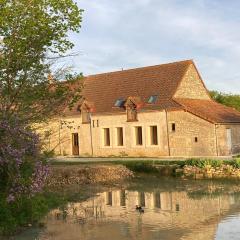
(131, 113)
(152, 99)
(86, 109)
(119, 102)
(132, 105)
(86, 116)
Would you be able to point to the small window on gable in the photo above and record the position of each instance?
(152, 99)
(119, 102)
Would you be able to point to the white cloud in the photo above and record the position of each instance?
(126, 34)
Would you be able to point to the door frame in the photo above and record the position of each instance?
(75, 144)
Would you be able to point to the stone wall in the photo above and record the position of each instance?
(191, 86)
(188, 127)
(223, 147)
(193, 136)
(62, 140)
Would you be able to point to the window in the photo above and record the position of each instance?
(153, 135)
(157, 200)
(93, 123)
(106, 137)
(122, 198)
(173, 127)
(119, 136)
(119, 102)
(141, 199)
(138, 134)
(97, 123)
(131, 114)
(177, 207)
(109, 198)
(196, 139)
(152, 99)
(86, 117)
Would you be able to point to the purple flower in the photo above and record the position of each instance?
(10, 198)
(19, 146)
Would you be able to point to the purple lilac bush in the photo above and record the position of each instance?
(22, 170)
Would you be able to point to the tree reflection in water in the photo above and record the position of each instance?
(174, 209)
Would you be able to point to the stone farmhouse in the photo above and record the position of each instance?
(155, 111)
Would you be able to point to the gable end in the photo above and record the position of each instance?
(192, 86)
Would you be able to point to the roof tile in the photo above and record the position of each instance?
(210, 110)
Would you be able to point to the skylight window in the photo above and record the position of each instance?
(119, 102)
(152, 99)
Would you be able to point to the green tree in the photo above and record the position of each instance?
(230, 100)
(32, 33)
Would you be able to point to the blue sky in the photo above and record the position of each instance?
(134, 33)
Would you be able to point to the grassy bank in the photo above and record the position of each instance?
(152, 166)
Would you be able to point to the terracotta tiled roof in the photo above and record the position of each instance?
(102, 91)
(162, 80)
(210, 110)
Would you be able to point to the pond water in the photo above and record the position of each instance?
(173, 209)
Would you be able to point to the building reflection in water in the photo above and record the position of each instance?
(164, 212)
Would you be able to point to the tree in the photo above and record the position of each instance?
(32, 33)
(230, 100)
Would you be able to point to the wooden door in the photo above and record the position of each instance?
(75, 144)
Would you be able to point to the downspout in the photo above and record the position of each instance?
(169, 151)
(91, 133)
(215, 126)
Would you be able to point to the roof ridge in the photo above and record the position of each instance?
(138, 68)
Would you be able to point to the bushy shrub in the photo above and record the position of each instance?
(202, 163)
(235, 163)
(26, 210)
(22, 170)
(142, 167)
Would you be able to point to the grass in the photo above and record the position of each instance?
(150, 166)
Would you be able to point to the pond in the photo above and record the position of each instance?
(173, 209)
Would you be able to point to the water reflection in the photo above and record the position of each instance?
(168, 215)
